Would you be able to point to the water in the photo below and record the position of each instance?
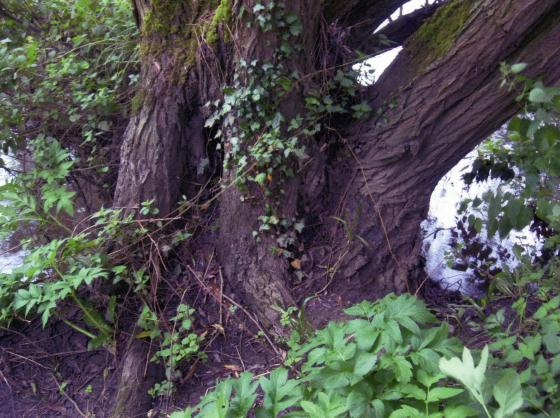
(442, 217)
(9, 259)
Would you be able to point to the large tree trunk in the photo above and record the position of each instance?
(442, 108)
(446, 98)
(365, 186)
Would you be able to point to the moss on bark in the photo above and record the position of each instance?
(439, 33)
(221, 16)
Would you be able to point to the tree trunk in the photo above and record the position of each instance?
(442, 109)
(446, 98)
(137, 376)
(364, 187)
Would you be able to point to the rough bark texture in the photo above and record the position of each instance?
(164, 145)
(441, 113)
(251, 266)
(137, 376)
(365, 196)
(444, 84)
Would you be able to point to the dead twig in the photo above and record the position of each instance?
(245, 311)
(72, 401)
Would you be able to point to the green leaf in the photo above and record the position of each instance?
(459, 411)
(406, 411)
(413, 391)
(465, 372)
(552, 343)
(312, 410)
(439, 393)
(365, 362)
(539, 95)
(507, 393)
(187, 413)
(519, 67)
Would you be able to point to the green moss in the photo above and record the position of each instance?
(222, 15)
(172, 27)
(438, 34)
(137, 101)
(162, 19)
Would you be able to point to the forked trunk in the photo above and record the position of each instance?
(363, 187)
(445, 96)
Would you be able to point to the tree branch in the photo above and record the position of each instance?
(444, 110)
(439, 112)
(361, 17)
(396, 33)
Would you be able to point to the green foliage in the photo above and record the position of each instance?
(530, 344)
(381, 363)
(66, 71)
(177, 346)
(392, 360)
(533, 148)
(263, 147)
(40, 195)
(506, 392)
(69, 261)
(66, 76)
(526, 161)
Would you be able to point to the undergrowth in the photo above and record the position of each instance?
(67, 93)
(393, 358)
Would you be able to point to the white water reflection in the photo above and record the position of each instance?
(9, 259)
(442, 217)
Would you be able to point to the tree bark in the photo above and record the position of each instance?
(137, 376)
(446, 98)
(440, 113)
(365, 190)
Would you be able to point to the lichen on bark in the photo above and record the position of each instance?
(172, 28)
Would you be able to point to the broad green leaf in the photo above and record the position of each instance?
(459, 411)
(365, 362)
(440, 393)
(465, 372)
(539, 95)
(507, 393)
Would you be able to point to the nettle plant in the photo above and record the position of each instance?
(388, 360)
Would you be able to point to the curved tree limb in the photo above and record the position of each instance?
(440, 111)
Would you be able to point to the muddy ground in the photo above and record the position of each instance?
(49, 372)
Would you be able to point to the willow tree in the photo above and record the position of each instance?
(258, 99)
